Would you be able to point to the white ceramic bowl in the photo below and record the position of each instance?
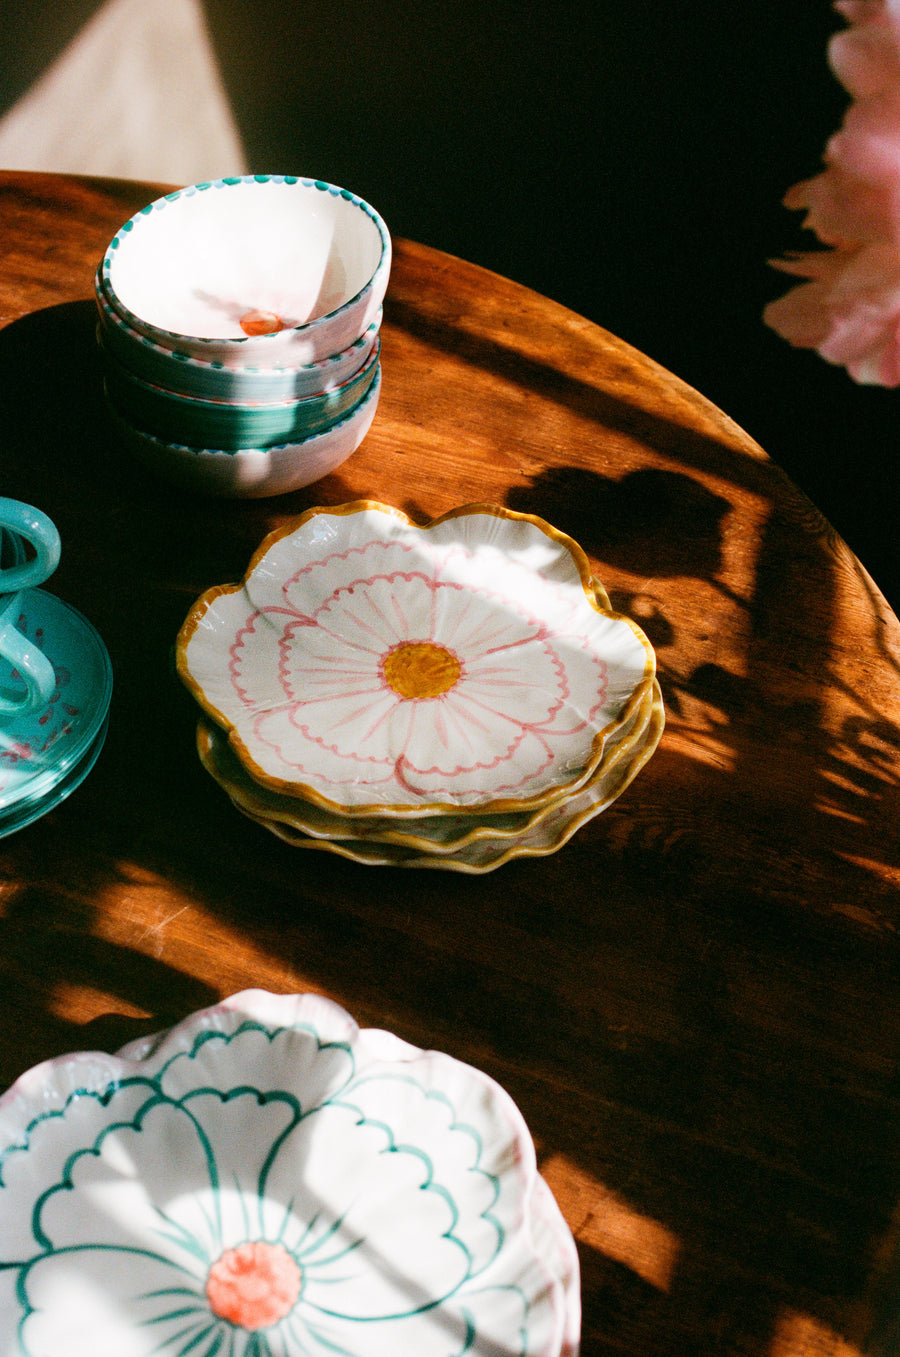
(202, 269)
(376, 667)
(267, 1178)
(177, 371)
(232, 425)
(251, 473)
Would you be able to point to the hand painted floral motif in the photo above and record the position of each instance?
(405, 665)
(848, 307)
(252, 1190)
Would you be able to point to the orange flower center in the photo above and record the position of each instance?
(421, 669)
(260, 323)
(254, 1285)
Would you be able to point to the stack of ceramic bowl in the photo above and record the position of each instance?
(240, 331)
(452, 695)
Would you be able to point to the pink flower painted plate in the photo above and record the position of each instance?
(372, 666)
(458, 843)
(477, 854)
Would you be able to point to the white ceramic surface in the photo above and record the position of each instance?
(434, 835)
(373, 666)
(479, 854)
(251, 472)
(177, 371)
(189, 268)
(266, 1180)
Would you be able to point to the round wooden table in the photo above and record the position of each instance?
(696, 1002)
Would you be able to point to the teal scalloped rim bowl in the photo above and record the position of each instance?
(251, 473)
(187, 376)
(309, 341)
(230, 427)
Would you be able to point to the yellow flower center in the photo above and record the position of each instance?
(420, 669)
(260, 323)
(254, 1285)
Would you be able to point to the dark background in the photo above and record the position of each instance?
(627, 160)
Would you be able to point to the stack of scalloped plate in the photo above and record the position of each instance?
(452, 695)
(239, 326)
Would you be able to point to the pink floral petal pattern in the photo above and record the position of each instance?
(366, 662)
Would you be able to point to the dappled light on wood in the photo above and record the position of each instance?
(603, 1220)
(797, 1333)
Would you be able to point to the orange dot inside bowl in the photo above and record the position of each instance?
(261, 323)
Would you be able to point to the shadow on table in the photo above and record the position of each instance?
(704, 1036)
(774, 1180)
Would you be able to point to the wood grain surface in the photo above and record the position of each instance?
(696, 1002)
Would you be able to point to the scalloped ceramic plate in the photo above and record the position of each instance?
(375, 667)
(479, 854)
(267, 1180)
(200, 270)
(436, 835)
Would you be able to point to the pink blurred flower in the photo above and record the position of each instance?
(848, 309)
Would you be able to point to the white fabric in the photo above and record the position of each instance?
(137, 94)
